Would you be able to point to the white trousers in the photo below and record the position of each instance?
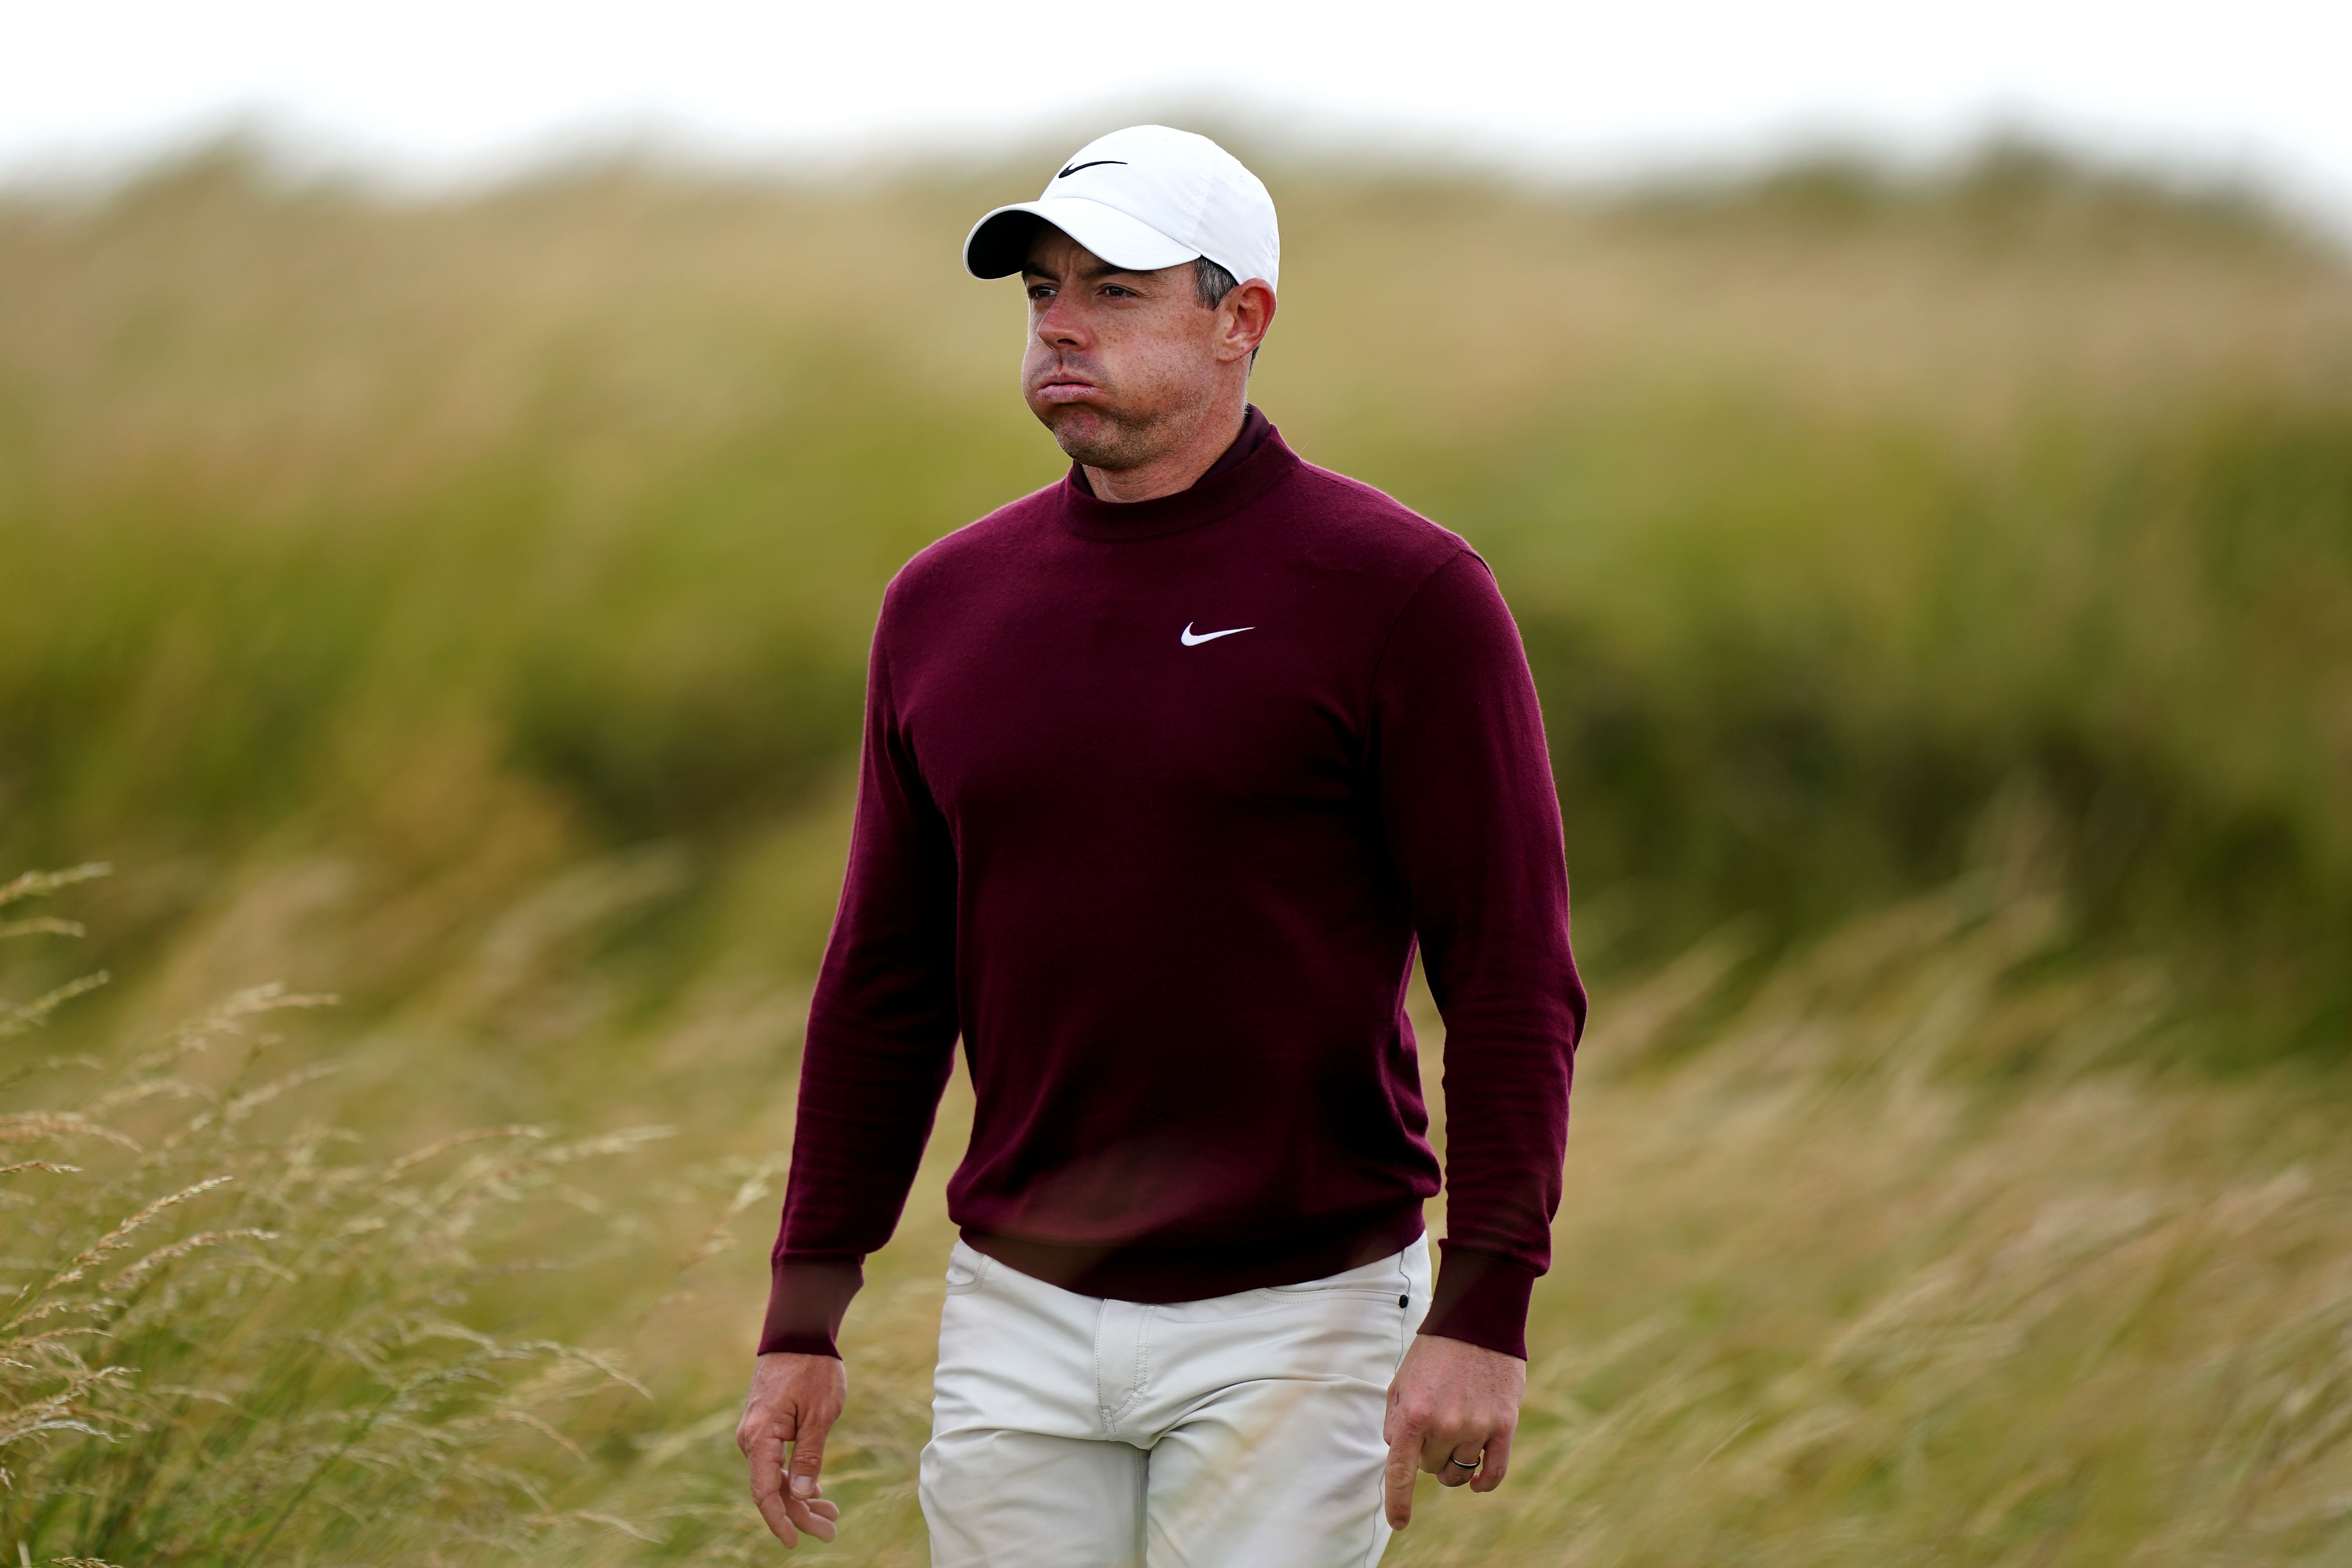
(1239, 1432)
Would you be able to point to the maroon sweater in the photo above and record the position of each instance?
(1156, 799)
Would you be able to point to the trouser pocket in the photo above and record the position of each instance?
(968, 1269)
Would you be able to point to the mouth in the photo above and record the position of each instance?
(1064, 389)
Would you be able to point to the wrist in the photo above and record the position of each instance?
(1480, 1299)
(807, 1298)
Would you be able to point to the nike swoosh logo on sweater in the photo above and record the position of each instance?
(1189, 640)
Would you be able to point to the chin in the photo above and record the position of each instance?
(1096, 454)
(1085, 436)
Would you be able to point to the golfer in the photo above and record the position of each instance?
(1166, 768)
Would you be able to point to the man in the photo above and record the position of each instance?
(1166, 767)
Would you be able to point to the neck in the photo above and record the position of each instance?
(1177, 469)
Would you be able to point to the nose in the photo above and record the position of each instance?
(1058, 325)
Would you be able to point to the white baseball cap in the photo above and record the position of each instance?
(1143, 199)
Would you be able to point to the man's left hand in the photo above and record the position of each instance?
(1452, 1411)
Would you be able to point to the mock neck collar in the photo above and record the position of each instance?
(1257, 460)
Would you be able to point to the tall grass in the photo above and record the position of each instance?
(1942, 597)
(226, 1339)
(458, 540)
(1906, 1259)
(1899, 1252)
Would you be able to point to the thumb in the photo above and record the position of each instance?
(808, 1456)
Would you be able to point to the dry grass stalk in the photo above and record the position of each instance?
(227, 1348)
(1893, 1251)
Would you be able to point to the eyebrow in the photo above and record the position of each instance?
(1099, 269)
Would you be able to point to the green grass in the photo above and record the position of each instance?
(345, 527)
(1941, 594)
(1903, 1254)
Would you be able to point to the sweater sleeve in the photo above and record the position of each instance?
(1473, 824)
(880, 1042)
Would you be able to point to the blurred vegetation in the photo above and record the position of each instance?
(457, 539)
(1940, 587)
(1905, 1253)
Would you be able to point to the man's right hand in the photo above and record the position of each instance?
(795, 1400)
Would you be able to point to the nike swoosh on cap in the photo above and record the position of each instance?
(1189, 640)
(1096, 164)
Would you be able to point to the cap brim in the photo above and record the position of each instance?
(998, 244)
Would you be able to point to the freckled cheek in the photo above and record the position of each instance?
(1157, 368)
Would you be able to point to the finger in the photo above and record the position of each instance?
(764, 1452)
(1498, 1462)
(815, 1515)
(803, 1512)
(779, 1522)
(1451, 1473)
(1439, 1450)
(1396, 1480)
(766, 1457)
(808, 1457)
(808, 1461)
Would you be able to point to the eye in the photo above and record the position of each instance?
(1040, 290)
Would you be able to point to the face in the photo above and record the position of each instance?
(1123, 366)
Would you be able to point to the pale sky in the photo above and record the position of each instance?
(461, 88)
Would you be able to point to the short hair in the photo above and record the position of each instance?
(1211, 282)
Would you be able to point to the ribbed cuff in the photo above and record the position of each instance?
(1480, 1299)
(806, 1302)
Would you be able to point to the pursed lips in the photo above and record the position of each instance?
(1065, 389)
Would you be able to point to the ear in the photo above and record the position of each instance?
(1242, 317)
